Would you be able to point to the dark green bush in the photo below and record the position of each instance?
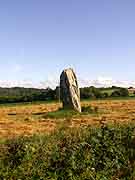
(121, 92)
(106, 152)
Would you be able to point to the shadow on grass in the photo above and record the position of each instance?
(64, 113)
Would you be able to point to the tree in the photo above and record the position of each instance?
(115, 93)
(121, 92)
(124, 92)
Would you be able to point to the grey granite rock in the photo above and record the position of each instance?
(69, 90)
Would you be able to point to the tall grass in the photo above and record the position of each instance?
(87, 153)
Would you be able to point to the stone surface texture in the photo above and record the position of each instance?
(69, 90)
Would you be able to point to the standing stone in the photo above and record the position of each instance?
(69, 90)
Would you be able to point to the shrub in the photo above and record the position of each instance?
(124, 92)
(106, 152)
(121, 92)
(115, 93)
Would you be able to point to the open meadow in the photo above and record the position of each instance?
(27, 119)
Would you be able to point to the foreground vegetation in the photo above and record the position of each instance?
(41, 141)
(86, 153)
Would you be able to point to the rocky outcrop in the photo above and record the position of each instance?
(69, 90)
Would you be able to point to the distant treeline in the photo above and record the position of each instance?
(93, 92)
(20, 94)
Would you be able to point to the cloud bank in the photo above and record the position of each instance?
(53, 82)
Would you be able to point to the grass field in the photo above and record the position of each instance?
(37, 141)
(27, 119)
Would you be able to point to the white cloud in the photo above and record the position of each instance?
(24, 83)
(106, 82)
(52, 82)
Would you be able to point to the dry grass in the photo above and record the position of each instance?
(27, 119)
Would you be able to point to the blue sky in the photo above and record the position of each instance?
(38, 38)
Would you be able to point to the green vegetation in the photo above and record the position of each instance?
(61, 113)
(98, 153)
(122, 92)
(99, 93)
(67, 113)
(18, 94)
